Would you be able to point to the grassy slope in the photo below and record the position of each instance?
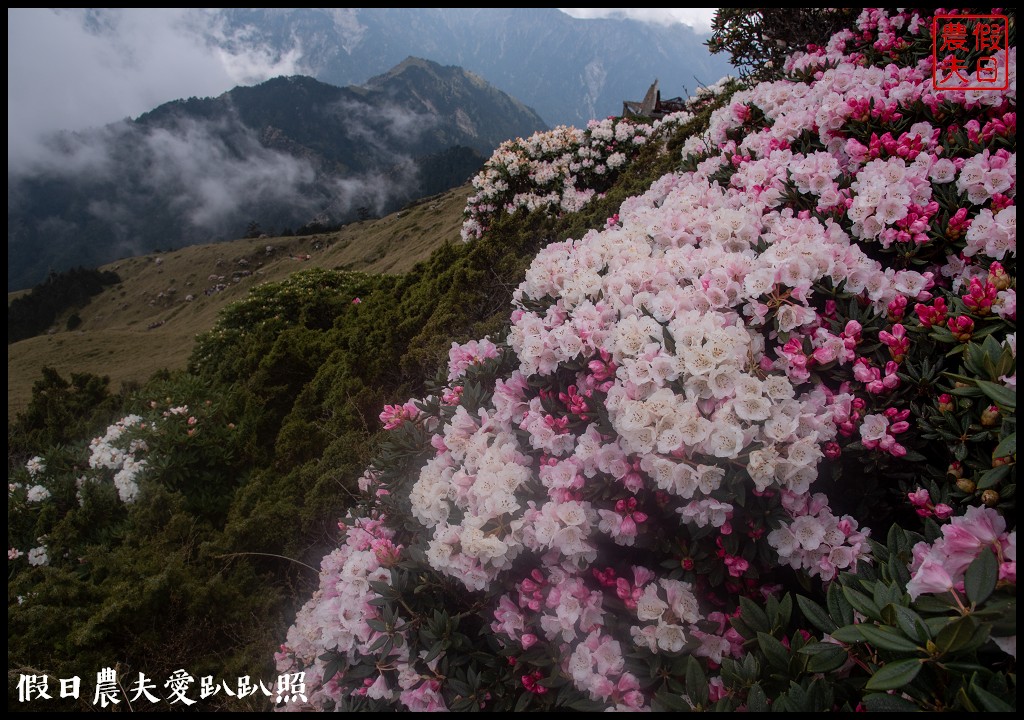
(116, 338)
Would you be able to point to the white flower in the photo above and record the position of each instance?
(35, 466)
(37, 493)
(874, 427)
(650, 606)
(670, 637)
(808, 531)
(37, 556)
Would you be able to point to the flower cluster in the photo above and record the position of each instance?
(344, 607)
(118, 450)
(701, 388)
(939, 567)
(561, 170)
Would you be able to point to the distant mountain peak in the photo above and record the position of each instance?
(278, 154)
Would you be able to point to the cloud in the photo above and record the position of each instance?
(186, 182)
(383, 127)
(697, 18)
(194, 180)
(75, 68)
(209, 171)
(374, 189)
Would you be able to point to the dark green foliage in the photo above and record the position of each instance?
(34, 313)
(60, 412)
(933, 651)
(150, 586)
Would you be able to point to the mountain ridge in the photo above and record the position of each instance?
(570, 70)
(278, 155)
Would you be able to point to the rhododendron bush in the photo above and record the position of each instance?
(562, 170)
(105, 477)
(750, 445)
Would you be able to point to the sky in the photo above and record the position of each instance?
(73, 68)
(697, 18)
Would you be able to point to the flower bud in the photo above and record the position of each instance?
(955, 470)
(1000, 461)
(998, 276)
(962, 327)
(990, 498)
(966, 485)
(990, 416)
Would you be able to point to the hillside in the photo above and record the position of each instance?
(145, 324)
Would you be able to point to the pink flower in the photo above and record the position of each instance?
(394, 416)
(931, 577)
(919, 498)
(425, 697)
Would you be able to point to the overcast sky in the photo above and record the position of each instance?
(697, 18)
(72, 68)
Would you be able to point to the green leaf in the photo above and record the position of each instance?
(668, 702)
(981, 576)
(774, 650)
(887, 638)
(523, 702)
(910, 623)
(745, 631)
(553, 681)
(884, 702)
(778, 612)
(815, 614)
(968, 391)
(990, 702)
(956, 634)
(934, 603)
(379, 643)
(838, 607)
(696, 682)
(862, 603)
(913, 456)
(885, 594)
(1001, 613)
(849, 634)
(331, 669)
(824, 657)
(896, 539)
(757, 701)
(963, 702)
(1006, 447)
(584, 705)
(992, 477)
(1000, 394)
(754, 616)
(895, 675)
(435, 650)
